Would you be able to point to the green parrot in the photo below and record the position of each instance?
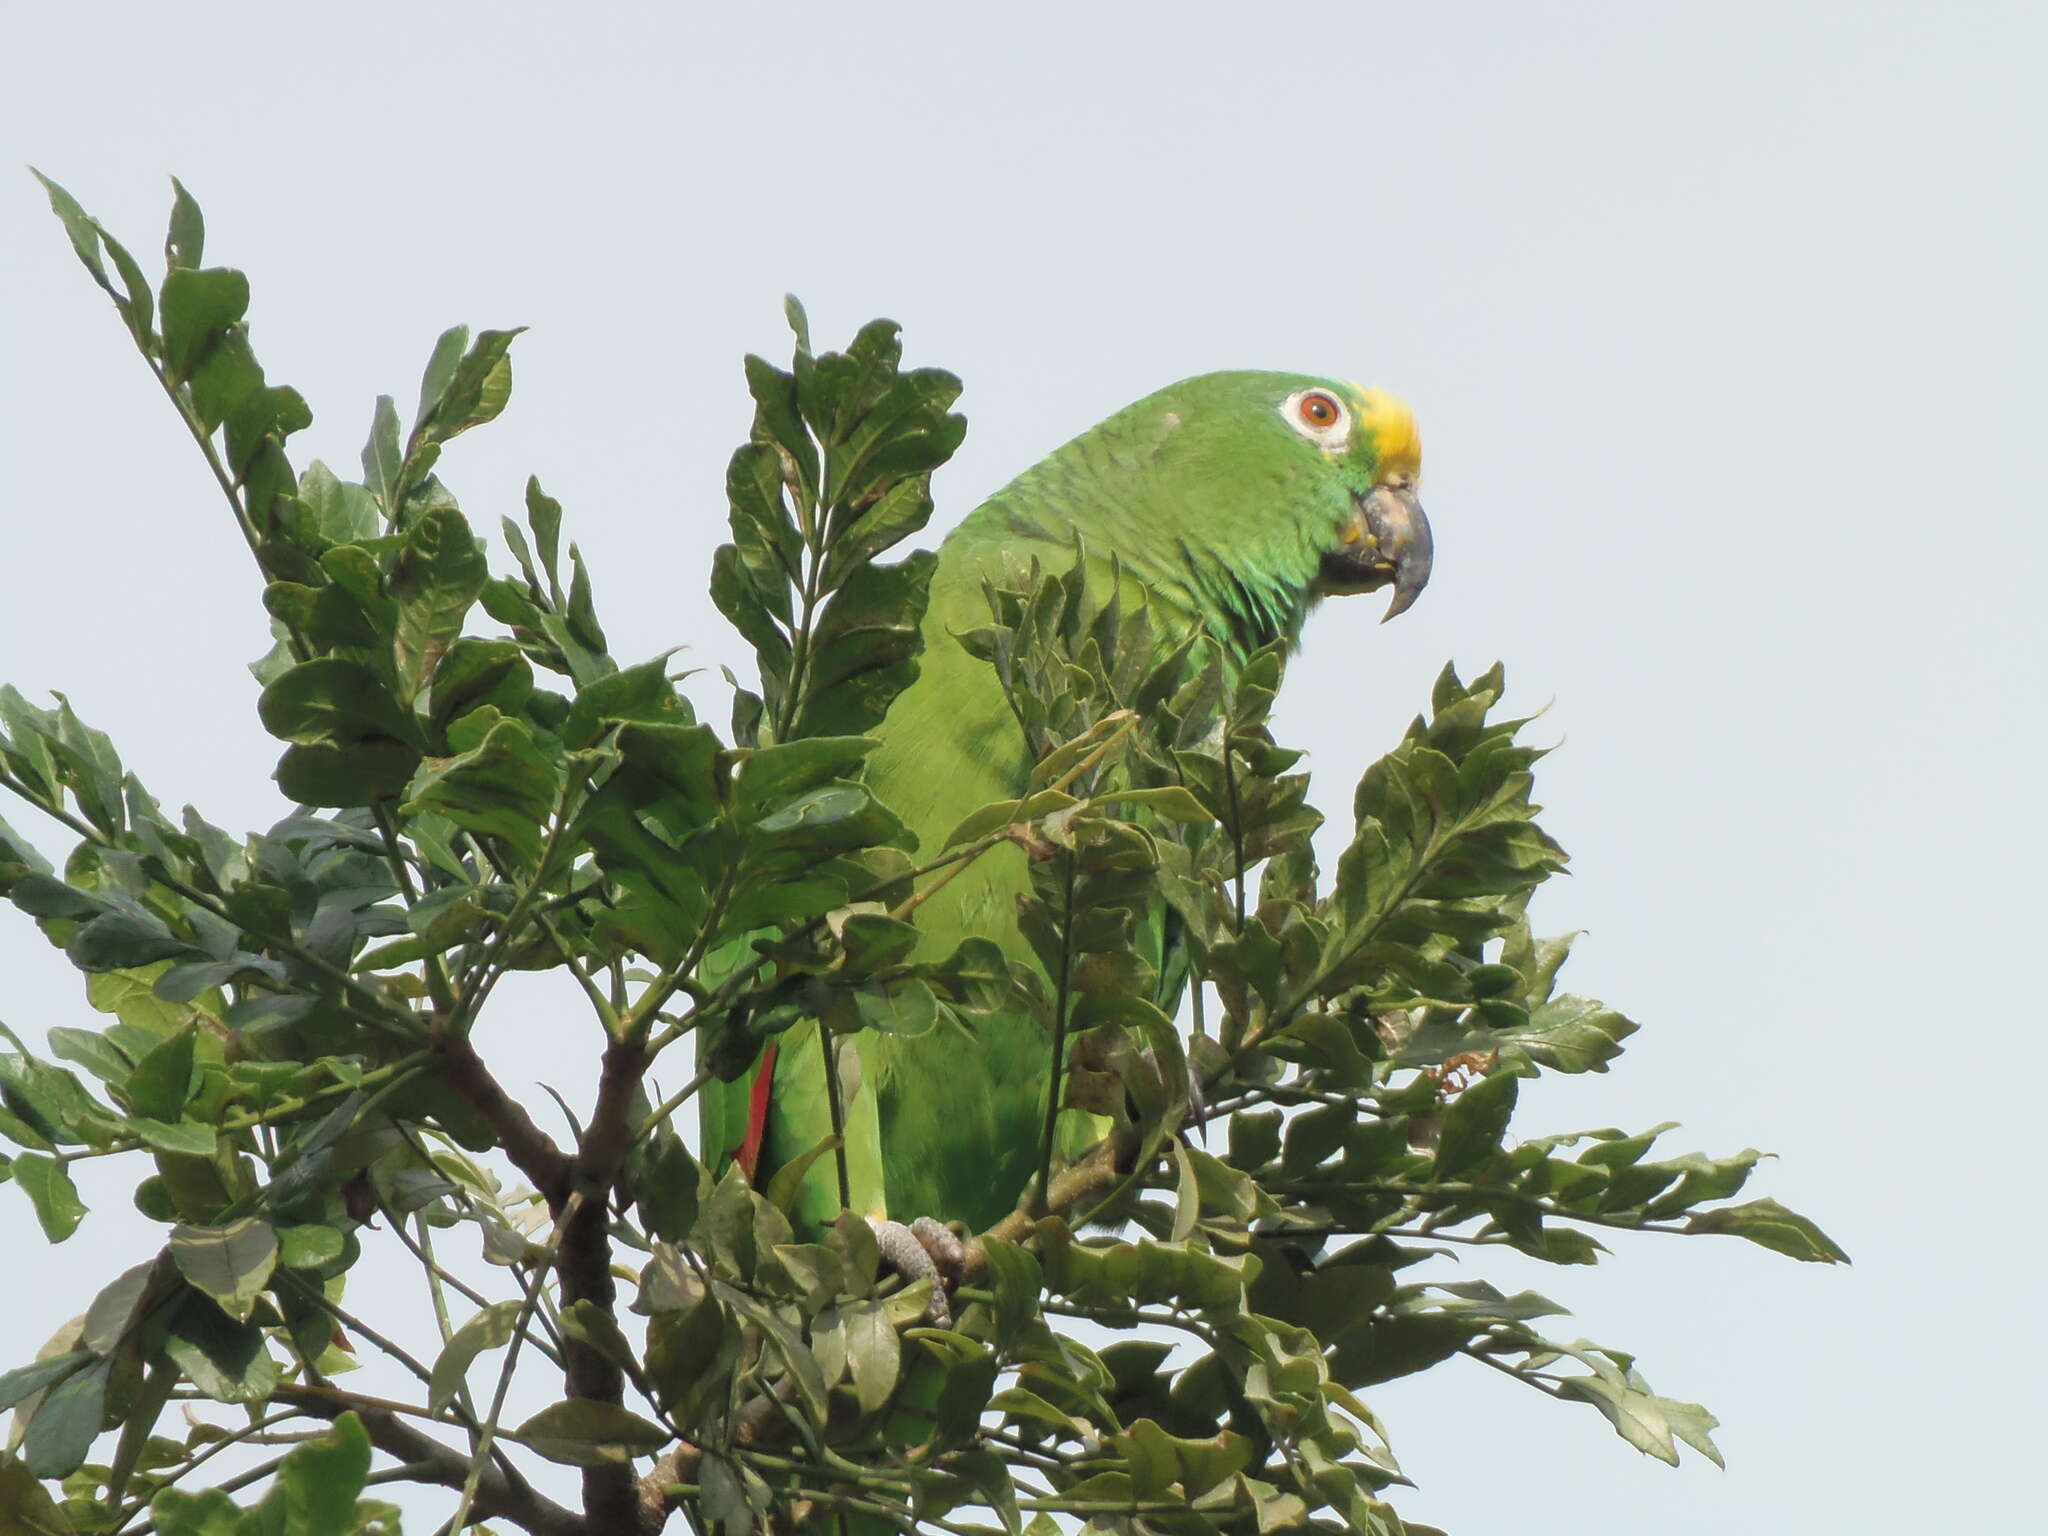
(1232, 502)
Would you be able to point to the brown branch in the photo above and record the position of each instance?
(611, 1500)
(531, 1149)
(677, 1466)
(1102, 1167)
(499, 1496)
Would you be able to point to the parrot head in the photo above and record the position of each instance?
(1375, 457)
(1288, 487)
(1240, 499)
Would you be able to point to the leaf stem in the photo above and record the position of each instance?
(837, 1108)
(1056, 1081)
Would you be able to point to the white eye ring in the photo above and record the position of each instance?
(1332, 436)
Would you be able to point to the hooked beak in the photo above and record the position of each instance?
(1385, 541)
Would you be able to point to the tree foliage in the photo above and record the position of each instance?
(295, 1050)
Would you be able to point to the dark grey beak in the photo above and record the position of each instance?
(1386, 542)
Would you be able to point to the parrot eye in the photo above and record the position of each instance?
(1320, 417)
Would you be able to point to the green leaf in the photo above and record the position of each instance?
(903, 509)
(896, 1008)
(199, 304)
(440, 370)
(501, 785)
(1022, 1404)
(318, 1484)
(24, 1381)
(473, 672)
(92, 1051)
(583, 1432)
(211, 1513)
(668, 1186)
(186, 241)
(1771, 1225)
(66, 1422)
(438, 574)
(309, 1247)
(476, 389)
(1475, 1123)
(690, 1348)
(26, 1508)
(641, 694)
(1157, 1460)
(774, 776)
(357, 773)
(1572, 1034)
(79, 225)
(1006, 813)
(122, 940)
(333, 699)
(223, 1358)
(874, 1354)
(161, 1082)
(382, 461)
(490, 1328)
(183, 1137)
(788, 1180)
(231, 1263)
(588, 1323)
(47, 1183)
(1171, 802)
(1640, 1417)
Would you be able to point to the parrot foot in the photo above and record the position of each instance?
(923, 1250)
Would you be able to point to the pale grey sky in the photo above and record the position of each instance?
(1723, 325)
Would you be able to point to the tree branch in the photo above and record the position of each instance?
(611, 1500)
(1102, 1167)
(498, 1496)
(532, 1150)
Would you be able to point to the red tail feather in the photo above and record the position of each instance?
(748, 1155)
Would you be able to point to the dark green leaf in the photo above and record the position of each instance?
(23, 1382)
(224, 1358)
(231, 1263)
(48, 1186)
(357, 773)
(500, 785)
(66, 1422)
(331, 699)
(477, 386)
(1475, 1123)
(123, 940)
(199, 304)
(641, 694)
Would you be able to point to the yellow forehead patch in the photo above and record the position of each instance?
(1396, 443)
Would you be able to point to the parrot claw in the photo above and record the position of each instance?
(923, 1250)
